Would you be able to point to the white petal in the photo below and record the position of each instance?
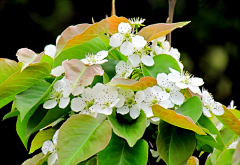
(115, 102)
(59, 85)
(123, 110)
(85, 61)
(58, 71)
(134, 111)
(47, 146)
(64, 102)
(116, 40)
(174, 71)
(127, 48)
(106, 111)
(121, 101)
(124, 27)
(193, 88)
(54, 139)
(78, 90)
(88, 94)
(77, 104)
(197, 81)
(158, 50)
(67, 90)
(101, 62)
(206, 112)
(139, 42)
(101, 55)
(49, 104)
(147, 109)
(135, 60)
(87, 81)
(161, 39)
(147, 60)
(52, 158)
(50, 50)
(174, 77)
(163, 95)
(177, 98)
(166, 45)
(181, 85)
(165, 103)
(162, 79)
(139, 96)
(217, 109)
(155, 119)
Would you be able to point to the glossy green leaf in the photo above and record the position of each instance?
(92, 161)
(43, 117)
(20, 81)
(117, 55)
(209, 140)
(11, 114)
(133, 131)
(176, 119)
(40, 138)
(21, 131)
(162, 64)
(225, 158)
(29, 98)
(34, 159)
(175, 145)
(192, 108)
(80, 137)
(230, 121)
(154, 31)
(109, 68)
(207, 123)
(118, 152)
(6, 100)
(47, 59)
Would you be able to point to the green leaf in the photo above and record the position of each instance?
(209, 140)
(21, 131)
(175, 145)
(40, 138)
(20, 81)
(118, 152)
(207, 123)
(133, 131)
(92, 161)
(43, 117)
(225, 158)
(192, 108)
(109, 68)
(11, 114)
(34, 159)
(162, 64)
(29, 98)
(117, 55)
(226, 135)
(80, 137)
(5, 101)
(48, 59)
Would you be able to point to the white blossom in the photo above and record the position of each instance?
(132, 102)
(166, 85)
(59, 94)
(124, 69)
(92, 59)
(185, 80)
(50, 146)
(154, 97)
(209, 105)
(50, 49)
(231, 106)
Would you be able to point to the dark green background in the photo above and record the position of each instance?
(209, 45)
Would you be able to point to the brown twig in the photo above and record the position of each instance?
(113, 8)
(171, 4)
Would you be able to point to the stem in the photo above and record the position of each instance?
(170, 16)
(113, 8)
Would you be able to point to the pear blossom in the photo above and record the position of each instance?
(50, 49)
(166, 85)
(153, 96)
(86, 103)
(141, 56)
(106, 99)
(128, 42)
(58, 71)
(209, 105)
(59, 94)
(92, 59)
(185, 80)
(137, 21)
(132, 102)
(50, 146)
(231, 106)
(124, 69)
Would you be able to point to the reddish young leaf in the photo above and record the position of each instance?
(193, 161)
(76, 71)
(158, 30)
(134, 85)
(27, 56)
(114, 21)
(176, 119)
(230, 120)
